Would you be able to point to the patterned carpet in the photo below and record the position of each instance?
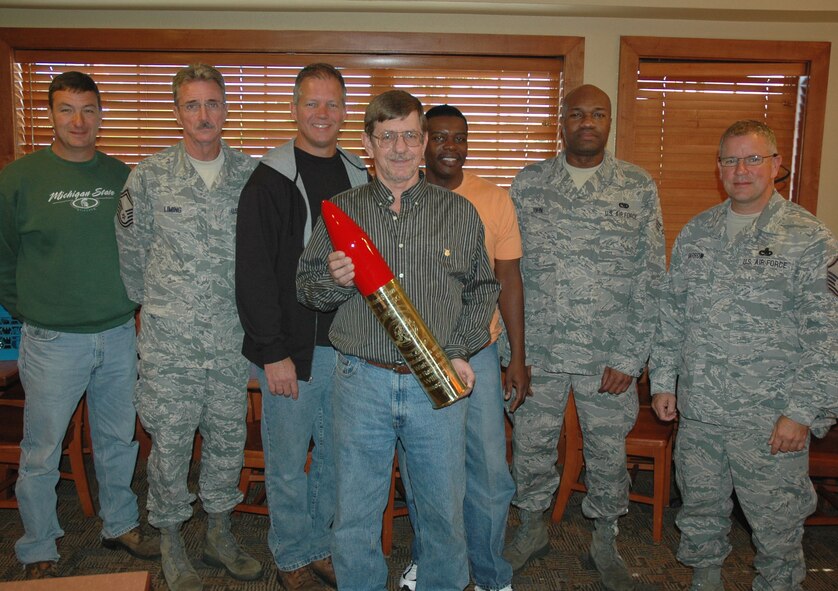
(566, 566)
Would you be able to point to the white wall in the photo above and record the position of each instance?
(602, 39)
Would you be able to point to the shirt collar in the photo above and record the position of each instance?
(410, 197)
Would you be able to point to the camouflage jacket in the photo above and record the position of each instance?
(176, 242)
(749, 326)
(592, 266)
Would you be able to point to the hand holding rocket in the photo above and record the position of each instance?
(391, 306)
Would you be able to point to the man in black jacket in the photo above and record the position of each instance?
(287, 342)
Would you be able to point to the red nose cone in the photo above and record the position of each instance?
(371, 270)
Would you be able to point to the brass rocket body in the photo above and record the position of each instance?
(420, 349)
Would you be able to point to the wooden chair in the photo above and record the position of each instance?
(253, 469)
(823, 470)
(11, 434)
(392, 510)
(648, 447)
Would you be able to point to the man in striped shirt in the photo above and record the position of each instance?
(433, 241)
(489, 485)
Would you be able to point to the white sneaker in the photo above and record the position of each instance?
(407, 582)
(479, 588)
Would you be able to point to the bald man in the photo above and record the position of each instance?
(592, 266)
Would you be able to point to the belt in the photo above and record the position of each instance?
(399, 368)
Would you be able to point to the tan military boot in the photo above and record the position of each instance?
(531, 540)
(179, 573)
(222, 550)
(611, 566)
(707, 579)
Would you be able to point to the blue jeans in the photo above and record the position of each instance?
(373, 408)
(55, 369)
(489, 485)
(302, 507)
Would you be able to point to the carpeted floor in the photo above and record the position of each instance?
(566, 567)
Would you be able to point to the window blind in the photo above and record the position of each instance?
(511, 104)
(682, 109)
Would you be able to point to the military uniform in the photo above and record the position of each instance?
(176, 240)
(748, 329)
(592, 266)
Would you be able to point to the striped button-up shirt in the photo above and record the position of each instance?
(434, 247)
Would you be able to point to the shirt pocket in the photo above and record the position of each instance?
(764, 285)
(618, 237)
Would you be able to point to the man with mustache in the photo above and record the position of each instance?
(489, 486)
(176, 236)
(593, 263)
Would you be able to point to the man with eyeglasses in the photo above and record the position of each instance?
(592, 266)
(176, 236)
(59, 273)
(287, 342)
(748, 328)
(489, 486)
(433, 241)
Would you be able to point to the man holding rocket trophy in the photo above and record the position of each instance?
(432, 240)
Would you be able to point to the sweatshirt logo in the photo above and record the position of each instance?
(81, 200)
(83, 203)
(766, 252)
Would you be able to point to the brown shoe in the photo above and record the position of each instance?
(44, 569)
(302, 579)
(324, 569)
(137, 543)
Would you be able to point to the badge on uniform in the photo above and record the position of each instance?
(832, 276)
(125, 209)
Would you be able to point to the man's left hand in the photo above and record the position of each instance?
(463, 369)
(517, 384)
(614, 382)
(788, 435)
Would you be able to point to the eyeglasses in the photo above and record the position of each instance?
(389, 138)
(750, 161)
(193, 107)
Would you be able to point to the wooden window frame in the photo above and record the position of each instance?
(814, 54)
(204, 44)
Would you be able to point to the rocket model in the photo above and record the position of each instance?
(394, 310)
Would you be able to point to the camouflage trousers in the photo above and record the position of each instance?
(605, 419)
(172, 402)
(774, 491)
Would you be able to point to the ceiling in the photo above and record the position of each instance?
(819, 11)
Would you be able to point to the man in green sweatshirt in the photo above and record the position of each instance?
(59, 274)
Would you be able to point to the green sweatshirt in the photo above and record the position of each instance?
(59, 266)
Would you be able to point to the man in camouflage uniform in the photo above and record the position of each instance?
(176, 236)
(592, 266)
(747, 327)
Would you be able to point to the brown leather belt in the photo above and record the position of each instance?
(399, 368)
